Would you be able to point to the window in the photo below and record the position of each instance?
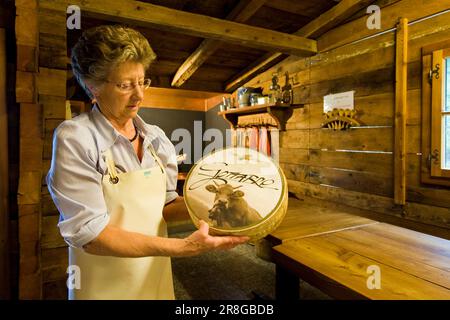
(436, 114)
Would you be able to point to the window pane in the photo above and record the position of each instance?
(447, 84)
(446, 144)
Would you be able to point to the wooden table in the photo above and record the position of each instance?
(311, 217)
(307, 218)
(412, 265)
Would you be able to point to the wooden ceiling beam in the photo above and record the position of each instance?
(242, 12)
(148, 15)
(326, 21)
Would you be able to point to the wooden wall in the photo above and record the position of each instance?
(356, 167)
(41, 92)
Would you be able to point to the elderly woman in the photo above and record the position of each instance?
(112, 174)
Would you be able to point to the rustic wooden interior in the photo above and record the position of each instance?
(211, 49)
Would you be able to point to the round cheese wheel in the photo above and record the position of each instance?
(237, 191)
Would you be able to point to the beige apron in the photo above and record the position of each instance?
(135, 201)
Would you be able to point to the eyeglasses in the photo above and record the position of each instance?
(129, 86)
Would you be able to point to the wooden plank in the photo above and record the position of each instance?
(51, 82)
(414, 250)
(294, 155)
(172, 102)
(28, 209)
(29, 190)
(163, 81)
(25, 87)
(301, 118)
(358, 161)
(48, 207)
(296, 172)
(45, 168)
(333, 17)
(50, 126)
(53, 107)
(310, 217)
(333, 64)
(357, 29)
(31, 143)
(359, 171)
(313, 29)
(378, 183)
(29, 227)
(53, 51)
(30, 4)
(55, 290)
(346, 263)
(243, 11)
(52, 21)
(30, 286)
(362, 62)
(54, 264)
(31, 150)
(358, 139)
(378, 52)
(50, 236)
(401, 76)
(27, 58)
(429, 214)
(47, 148)
(365, 84)
(31, 121)
(413, 216)
(26, 26)
(149, 15)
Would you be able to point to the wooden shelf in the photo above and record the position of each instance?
(279, 112)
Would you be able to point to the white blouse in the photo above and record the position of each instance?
(78, 167)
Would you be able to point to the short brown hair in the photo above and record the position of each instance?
(102, 48)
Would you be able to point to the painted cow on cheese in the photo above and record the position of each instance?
(230, 209)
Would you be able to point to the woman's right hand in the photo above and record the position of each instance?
(200, 241)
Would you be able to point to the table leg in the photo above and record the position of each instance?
(286, 284)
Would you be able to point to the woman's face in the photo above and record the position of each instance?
(118, 104)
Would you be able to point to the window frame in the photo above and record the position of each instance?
(432, 95)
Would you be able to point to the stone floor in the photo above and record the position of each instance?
(229, 275)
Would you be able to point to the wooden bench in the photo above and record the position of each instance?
(338, 254)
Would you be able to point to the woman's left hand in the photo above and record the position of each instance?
(200, 241)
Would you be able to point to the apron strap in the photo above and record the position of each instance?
(155, 156)
(113, 178)
(111, 167)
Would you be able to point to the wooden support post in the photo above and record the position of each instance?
(401, 81)
(31, 147)
(287, 285)
(4, 216)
